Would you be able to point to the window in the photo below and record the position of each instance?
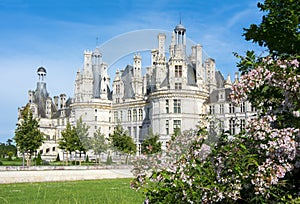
(134, 115)
(167, 106)
(116, 116)
(129, 115)
(178, 86)
(118, 88)
(176, 124)
(231, 108)
(253, 109)
(167, 127)
(222, 126)
(140, 114)
(178, 71)
(231, 126)
(211, 127)
(211, 109)
(135, 132)
(242, 125)
(129, 131)
(121, 116)
(221, 108)
(177, 106)
(117, 100)
(95, 118)
(243, 107)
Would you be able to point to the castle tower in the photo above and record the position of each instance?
(210, 67)
(137, 80)
(180, 41)
(161, 46)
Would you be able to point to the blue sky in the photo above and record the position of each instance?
(54, 34)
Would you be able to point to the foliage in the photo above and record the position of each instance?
(122, 141)
(69, 140)
(7, 149)
(260, 165)
(57, 158)
(28, 137)
(99, 143)
(82, 131)
(38, 160)
(151, 144)
(279, 30)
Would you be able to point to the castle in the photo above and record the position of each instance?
(175, 92)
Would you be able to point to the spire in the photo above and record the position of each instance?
(228, 82)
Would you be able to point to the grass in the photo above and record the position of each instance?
(106, 191)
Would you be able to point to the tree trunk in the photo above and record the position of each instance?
(67, 158)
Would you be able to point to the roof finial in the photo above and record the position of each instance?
(179, 18)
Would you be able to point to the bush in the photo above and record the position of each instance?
(57, 158)
(1, 163)
(109, 160)
(87, 159)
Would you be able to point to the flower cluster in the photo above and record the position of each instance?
(280, 76)
(247, 167)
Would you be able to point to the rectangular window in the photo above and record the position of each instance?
(129, 131)
(140, 114)
(177, 105)
(222, 126)
(167, 127)
(178, 86)
(121, 116)
(117, 88)
(134, 115)
(232, 126)
(231, 108)
(221, 108)
(95, 118)
(178, 71)
(167, 106)
(117, 100)
(115, 116)
(243, 107)
(134, 133)
(176, 124)
(211, 127)
(242, 125)
(129, 115)
(211, 109)
(253, 109)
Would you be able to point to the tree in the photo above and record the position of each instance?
(151, 144)
(82, 131)
(279, 30)
(122, 141)
(28, 137)
(69, 140)
(99, 143)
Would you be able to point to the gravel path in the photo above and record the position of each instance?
(62, 175)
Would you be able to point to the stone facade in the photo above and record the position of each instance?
(175, 92)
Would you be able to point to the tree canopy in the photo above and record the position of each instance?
(28, 137)
(279, 30)
(122, 141)
(151, 144)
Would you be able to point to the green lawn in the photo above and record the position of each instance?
(99, 191)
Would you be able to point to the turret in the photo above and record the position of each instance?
(137, 65)
(48, 107)
(228, 83)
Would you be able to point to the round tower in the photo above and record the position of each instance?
(41, 73)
